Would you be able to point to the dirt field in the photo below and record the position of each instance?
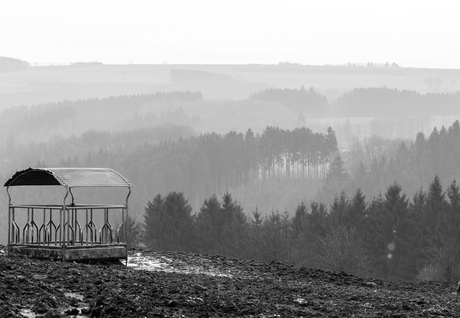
(158, 284)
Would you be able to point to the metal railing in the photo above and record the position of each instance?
(66, 226)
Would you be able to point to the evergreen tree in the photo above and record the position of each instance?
(299, 220)
(314, 229)
(355, 212)
(273, 244)
(258, 219)
(134, 232)
(394, 231)
(152, 216)
(299, 243)
(372, 241)
(434, 213)
(452, 215)
(209, 225)
(235, 228)
(169, 223)
(337, 211)
(222, 227)
(440, 248)
(416, 220)
(336, 178)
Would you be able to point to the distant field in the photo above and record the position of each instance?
(44, 84)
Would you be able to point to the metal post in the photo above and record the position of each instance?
(62, 230)
(9, 216)
(126, 223)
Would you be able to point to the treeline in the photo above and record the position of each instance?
(94, 63)
(166, 158)
(96, 105)
(362, 102)
(268, 107)
(213, 85)
(386, 102)
(413, 164)
(389, 237)
(199, 78)
(74, 117)
(9, 64)
(210, 163)
(303, 101)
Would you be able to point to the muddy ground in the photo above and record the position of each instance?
(163, 284)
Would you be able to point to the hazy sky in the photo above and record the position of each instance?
(410, 33)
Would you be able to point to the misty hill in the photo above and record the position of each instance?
(299, 101)
(9, 64)
(384, 102)
(200, 79)
(67, 118)
(45, 84)
(389, 113)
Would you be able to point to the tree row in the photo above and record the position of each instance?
(388, 237)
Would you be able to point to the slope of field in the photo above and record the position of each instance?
(189, 285)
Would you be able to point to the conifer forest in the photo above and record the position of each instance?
(312, 177)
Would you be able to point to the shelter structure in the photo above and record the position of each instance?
(68, 230)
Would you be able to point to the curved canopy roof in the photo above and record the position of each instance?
(68, 177)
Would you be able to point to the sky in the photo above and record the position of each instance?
(409, 33)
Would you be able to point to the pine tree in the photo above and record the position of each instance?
(208, 225)
(235, 228)
(258, 219)
(442, 255)
(274, 240)
(337, 211)
(355, 212)
(336, 178)
(433, 216)
(388, 235)
(134, 232)
(222, 227)
(152, 216)
(396, 234)
(416, 223)
(452, 217)
(314, 230)
(299, 220)
(169, 223)
(299, 244)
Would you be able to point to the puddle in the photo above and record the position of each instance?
(80, 306)
(31, 314)
(27, 313)
(164, 264)
(74, 295)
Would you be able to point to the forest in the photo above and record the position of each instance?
(267, 177)
(382, 102)
(9, 64)
(172, 138)
(389, 235)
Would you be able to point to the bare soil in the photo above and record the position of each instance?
(166, 284)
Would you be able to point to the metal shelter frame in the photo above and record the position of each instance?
(73, 234)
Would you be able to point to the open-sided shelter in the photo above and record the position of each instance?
(68, 230)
